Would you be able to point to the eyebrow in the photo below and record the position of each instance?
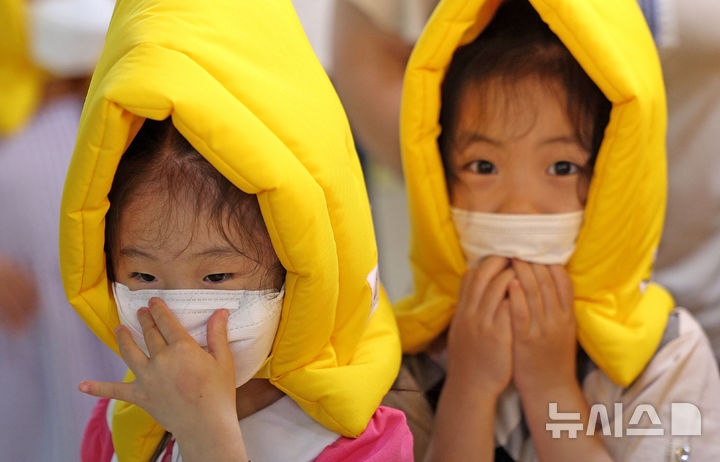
(132, 252)
(565, 139)
(218, 252)
(469, 138)
(224, 251)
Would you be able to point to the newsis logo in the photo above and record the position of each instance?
(685, 420)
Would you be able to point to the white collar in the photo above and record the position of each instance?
(282, 432)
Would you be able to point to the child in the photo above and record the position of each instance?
(502, 132)
(214, 199)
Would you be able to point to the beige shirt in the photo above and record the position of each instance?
(683, 371)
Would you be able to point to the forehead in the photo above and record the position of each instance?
(173, 225)
(507, 110)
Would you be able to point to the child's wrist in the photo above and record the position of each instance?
(218, 441)
(474, 386)
(216, 429)
(560, 380)
(556, 390)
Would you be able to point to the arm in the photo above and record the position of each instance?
(368, 68)
(569, 398)
(463, 423)
(479, 365)
(189, 392)
(544, 349)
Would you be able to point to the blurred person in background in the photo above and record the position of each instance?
(47, 51)
(688, 261)
(372, 42)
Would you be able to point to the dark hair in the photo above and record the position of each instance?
(515, 45)
(161, 159)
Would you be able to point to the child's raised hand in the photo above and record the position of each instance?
(189, 392)
(480, 336)
(543, 325)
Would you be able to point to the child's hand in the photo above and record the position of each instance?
(544, 350)
(479, 364)
(479, 339)
(543, 326)
(189, 392)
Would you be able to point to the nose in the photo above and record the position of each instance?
(181, 280)
(520, 198)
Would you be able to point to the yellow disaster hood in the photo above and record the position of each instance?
(241, 83)
(620, 316)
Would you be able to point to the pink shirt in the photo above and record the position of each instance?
(386, 438)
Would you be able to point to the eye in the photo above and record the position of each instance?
(563, 168)
(481, 167)
(144, 277)
(218, 277)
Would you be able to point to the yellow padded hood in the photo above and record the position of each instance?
(241, 83)
(21, 82)
(620, 316)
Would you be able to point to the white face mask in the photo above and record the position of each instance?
(67, 36)
(253, 319)
(546, 239)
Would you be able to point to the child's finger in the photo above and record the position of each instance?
(113, 390)
(464, 293)
(153, 338)
(532, 291)
(564, 286)
(496, 291)
(218, 345)
(129, 351)
(481, 278)
(170, 328)
(520, 313)
(502, 314)
(548, 291)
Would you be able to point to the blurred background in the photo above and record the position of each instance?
(48, 49)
